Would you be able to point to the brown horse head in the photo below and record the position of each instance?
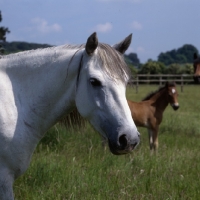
(172, 95)
(196, 65)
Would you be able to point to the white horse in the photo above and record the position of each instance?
(39, 87)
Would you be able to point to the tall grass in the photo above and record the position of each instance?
(74, 165)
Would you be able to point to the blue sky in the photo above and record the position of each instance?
(157, 25)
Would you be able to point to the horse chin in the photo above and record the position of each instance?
(117, 150)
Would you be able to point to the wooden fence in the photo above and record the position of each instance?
(160, 79)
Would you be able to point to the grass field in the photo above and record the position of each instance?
(74, 165)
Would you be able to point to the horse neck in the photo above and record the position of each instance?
(197, 71)
(43, 85)
(160, 99)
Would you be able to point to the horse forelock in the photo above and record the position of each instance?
(113, 63)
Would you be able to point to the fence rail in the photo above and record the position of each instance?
(161, 78)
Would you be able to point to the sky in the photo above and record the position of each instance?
(156, 25)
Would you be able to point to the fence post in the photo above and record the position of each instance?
(160, 80)
(182, 83)
(136, 88)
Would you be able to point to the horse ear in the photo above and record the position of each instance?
(92, 43)
(123, 45)
(195, 56)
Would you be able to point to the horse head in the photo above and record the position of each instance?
(172, 94)
(100, 93)
(196, 65)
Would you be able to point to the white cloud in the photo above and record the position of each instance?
(103, 28)
(136, 25)
(140, 49)
(42, 26)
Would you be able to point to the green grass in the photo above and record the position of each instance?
(74, 165)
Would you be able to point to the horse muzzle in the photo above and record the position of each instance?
(124, 144)
(175, 106)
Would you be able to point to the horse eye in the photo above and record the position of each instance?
(95, 82)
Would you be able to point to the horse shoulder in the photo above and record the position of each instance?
(155, 114)
(134, 107)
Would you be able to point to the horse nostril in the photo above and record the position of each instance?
(138, 134)
(123, 141)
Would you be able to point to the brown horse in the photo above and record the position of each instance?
(149, 112)
(196, 65)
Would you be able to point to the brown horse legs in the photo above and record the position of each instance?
(153, 139)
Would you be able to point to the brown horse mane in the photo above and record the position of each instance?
(151, 94)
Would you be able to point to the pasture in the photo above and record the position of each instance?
(74, 165)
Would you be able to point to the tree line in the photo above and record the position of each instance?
(176, 61)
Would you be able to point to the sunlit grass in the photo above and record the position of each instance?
(74, 165)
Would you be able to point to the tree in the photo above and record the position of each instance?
(165, 58)
(182, 55)
(179, 69)
(13, 47)
(3, 30)
(188, 51)
(133, 59)
(188, 69)
(152, 67)
(173, 69)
